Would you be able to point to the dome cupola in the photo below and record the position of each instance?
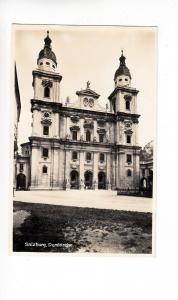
(46, 58)
(122, 75)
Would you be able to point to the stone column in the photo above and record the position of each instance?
(34, 166)
(82, 128)
(56, 125)
(95, 134)
(81, 170)
(113, 171)
(36, 123)
(55, 169)
(67, 126)
(61, 168)
(135, 134)
(108, 171)
(95, 170)
(67, 169)
(64, 128)
(117, 132)
(116, 172)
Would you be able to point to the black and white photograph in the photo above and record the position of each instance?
(84, 106)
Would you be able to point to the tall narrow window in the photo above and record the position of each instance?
(101, 157)
(74, 155)
(45, 130)
(101, 138)
(129, 158)
(88, 156)
(88, 136)
(21, 167)
(45, 152)
(127, 105)
(74, 135)
(46, 92)
(129, 173)
(128, 139)
(44, 170)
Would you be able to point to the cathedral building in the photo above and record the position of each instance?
(80, 145)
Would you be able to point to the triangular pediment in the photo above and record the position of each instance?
(88, 92)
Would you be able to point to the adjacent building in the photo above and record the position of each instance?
(146, 168)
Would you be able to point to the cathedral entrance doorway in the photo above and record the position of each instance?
(88, 179)
(21, 182)
(74, 180)
(101, 180)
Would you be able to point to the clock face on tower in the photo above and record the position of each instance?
(88, 102)
(91, 102)
(85, 101)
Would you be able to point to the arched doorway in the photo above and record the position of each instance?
(143, 183)
(74, 180)
(88, 179)
(21, 181)
(101, 180)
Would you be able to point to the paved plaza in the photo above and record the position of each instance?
(88, 198)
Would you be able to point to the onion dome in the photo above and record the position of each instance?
(47, 52)
(122, 70)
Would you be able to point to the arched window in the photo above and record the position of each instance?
(88, 136)
(129, 173)
(46, 92)
(129, 158)
(45, 170)
(127, 104)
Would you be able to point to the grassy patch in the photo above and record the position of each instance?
(50, 228)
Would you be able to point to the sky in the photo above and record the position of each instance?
(90, 53)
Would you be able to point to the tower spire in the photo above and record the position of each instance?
(47, 52)
(47, 40)
(122, 59)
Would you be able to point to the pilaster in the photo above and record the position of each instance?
(95, 170)
(81, 170)
(95, 135)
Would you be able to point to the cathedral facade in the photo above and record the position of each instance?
(80, 145)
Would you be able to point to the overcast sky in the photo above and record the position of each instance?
(90, 53)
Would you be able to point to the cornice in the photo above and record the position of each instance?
(69, 111)
(40, 73)
(121, 116)
(38, 104)
(130, 147)
(88, 93)
(65, 142)
(123, 89)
